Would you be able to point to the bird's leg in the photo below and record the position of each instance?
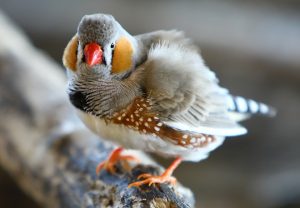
(166, 177)
(114, 157)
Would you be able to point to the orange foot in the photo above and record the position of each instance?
(114, 157)
(166, 177)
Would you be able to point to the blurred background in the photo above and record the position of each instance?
(253, 46)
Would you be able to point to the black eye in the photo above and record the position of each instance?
(112, 45)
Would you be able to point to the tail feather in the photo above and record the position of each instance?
(242, 105)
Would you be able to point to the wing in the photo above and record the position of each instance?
(185, 92)
(148, 40)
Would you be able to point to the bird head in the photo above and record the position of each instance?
(100, 45)
(99, 57)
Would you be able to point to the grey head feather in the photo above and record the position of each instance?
(104, 30)
(100, 28)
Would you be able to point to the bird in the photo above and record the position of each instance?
(151, 92)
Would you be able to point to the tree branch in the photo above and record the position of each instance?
(46, 148)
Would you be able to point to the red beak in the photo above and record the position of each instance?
(93, 54)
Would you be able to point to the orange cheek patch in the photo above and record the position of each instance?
(70, 56)
(122, 57)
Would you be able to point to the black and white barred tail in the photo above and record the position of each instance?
(242, 105)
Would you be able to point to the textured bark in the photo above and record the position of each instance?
(47, 150)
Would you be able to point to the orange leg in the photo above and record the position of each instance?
(166, 177)
(114, 157)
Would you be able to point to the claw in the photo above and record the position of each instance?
(153, 180)
(145, 175)
(99, 167)
(166, 177)
(114, 157)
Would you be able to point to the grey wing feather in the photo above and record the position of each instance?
(185, 92)
(148, 40)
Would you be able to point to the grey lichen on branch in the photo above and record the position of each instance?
(109, 189)
(46, 148)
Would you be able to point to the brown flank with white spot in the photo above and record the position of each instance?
(138, 116)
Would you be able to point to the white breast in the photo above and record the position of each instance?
(132, 139)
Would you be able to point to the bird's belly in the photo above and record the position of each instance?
(131, 139)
